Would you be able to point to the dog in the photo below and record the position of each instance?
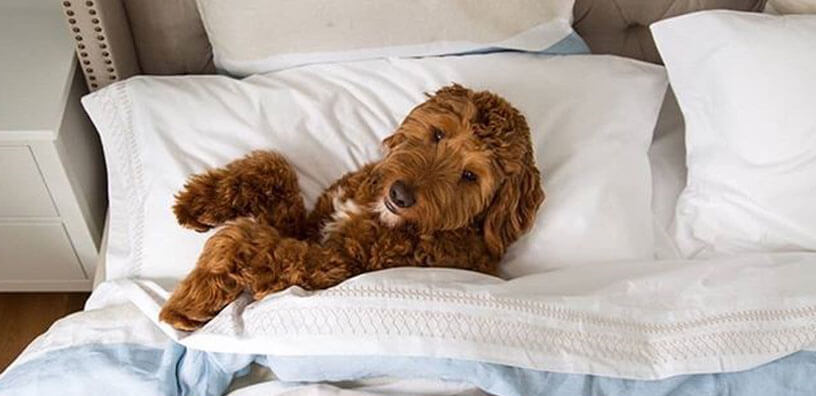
(457, 185)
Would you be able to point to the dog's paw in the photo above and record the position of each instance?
(187, 218)
(193, 210)
(179, 320)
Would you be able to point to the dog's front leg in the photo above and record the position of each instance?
(261, 185)
(245, 255)
(220, 274)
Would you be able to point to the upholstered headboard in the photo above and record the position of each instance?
(116, 39)
(621, 27)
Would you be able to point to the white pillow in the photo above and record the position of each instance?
(746, 84)
(256, 36)
(591, 117)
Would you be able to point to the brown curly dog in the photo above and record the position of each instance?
(457, 186)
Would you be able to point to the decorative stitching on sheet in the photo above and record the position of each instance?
(651, 345)
(559, 313)
(116, 119)
(137, 192)
(377, 322)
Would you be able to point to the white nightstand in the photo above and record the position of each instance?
(52, 174)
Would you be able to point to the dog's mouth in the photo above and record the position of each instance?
(388, 212)
(390, 206)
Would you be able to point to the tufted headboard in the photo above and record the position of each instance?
(621, 27)
(116, 39)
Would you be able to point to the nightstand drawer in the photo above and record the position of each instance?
(22, 189)
(37, 252)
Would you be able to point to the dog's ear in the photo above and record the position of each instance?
(393, 141)
(514, 208)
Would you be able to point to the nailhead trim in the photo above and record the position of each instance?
(76, 10)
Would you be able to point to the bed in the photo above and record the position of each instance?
(664, 305)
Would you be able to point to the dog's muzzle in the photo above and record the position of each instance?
(400, 195)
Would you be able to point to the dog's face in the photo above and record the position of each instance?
(459, 159)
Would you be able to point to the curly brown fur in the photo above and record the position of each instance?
(457, 186)
(261, 185)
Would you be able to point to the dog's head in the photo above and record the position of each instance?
(462, 158)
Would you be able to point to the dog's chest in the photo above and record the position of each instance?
(344, 210)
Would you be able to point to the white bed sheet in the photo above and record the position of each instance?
(637, 320)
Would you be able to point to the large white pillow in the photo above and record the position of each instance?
(256, 36)
(746, 84)
(591, 117)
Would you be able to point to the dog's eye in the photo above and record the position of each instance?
(469, 176)
(438, 134)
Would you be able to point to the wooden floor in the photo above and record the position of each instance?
(24, 316)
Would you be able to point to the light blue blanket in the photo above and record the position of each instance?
(133, 369)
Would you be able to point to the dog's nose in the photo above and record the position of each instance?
(401, 195)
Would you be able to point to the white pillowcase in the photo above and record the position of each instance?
(256, 36)
(746, 84)
(591, 116)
